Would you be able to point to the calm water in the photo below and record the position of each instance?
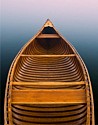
(84, 40)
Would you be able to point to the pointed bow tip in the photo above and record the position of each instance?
(48, 20)
(48, 23)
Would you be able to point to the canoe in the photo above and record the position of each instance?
(48, 83)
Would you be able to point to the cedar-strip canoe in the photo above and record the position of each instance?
(48, 83)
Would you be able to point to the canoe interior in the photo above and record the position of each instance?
(48, 84)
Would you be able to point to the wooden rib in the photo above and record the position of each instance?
(49, 120)
(36, 47)
(74, 122)
(48, 96)
(31, 69)
(49, 108)
(49, 83)
(75, 113)
(69, 55)
(48, 36)
(51, 111)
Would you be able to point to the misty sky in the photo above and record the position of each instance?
(68, 12)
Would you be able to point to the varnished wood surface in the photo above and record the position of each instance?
(48, 83)
(69, 55)
(48, 96)
(48, 36)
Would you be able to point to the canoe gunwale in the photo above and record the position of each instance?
(89, 89)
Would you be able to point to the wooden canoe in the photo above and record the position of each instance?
(48, 83)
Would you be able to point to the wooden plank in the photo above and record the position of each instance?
(68, 55)
(48, 96)
(48, 36)
(48, 83)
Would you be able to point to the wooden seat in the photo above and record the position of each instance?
(46, 96)
(48, 36)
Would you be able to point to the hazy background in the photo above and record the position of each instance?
(77, 20)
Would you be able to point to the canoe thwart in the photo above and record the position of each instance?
(48, 83)
(68, 55)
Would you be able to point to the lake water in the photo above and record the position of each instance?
(84, 40)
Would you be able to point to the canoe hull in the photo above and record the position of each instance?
(48, 83)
